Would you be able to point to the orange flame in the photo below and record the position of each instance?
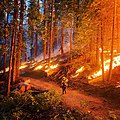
(51, 67)
(23, 66)
(78, 71)
(38, 67)
(116, 62)
(54, 66)
(7, 69)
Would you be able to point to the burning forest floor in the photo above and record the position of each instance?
(101, 99)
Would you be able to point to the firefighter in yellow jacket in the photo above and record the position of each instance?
(64, 85)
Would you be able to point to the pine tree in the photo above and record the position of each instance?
(20, 39)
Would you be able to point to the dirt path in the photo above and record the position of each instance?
(99, 107)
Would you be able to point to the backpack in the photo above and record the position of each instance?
(64, 84)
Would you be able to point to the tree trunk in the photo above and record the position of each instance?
(31, 45)
(5, 44)
(36, 34)
(112, 42)
(4, 58)
(117, 36)
(11, 75)
(45, 40)
(15, 42)
(117, 27)
(71, 30)
(97, 48)
(14, 62)
(71, 41)
(35, 45)
(20, 39)
(51, 34)
(102, 54)
(62, 41)
(45, 49)
(10, 62)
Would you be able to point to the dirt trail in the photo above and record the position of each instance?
(99, 107)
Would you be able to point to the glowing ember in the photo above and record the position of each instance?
(38, 67)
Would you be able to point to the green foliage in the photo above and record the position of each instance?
(45, 105)
(19, 106)
(48, 99)
(85, 28)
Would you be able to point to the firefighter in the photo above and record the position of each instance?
(64, 85)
